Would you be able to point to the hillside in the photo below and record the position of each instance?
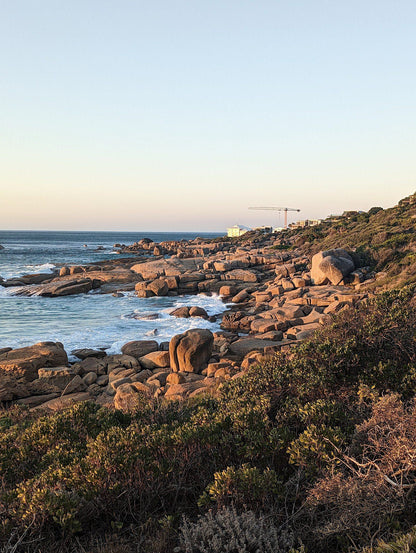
(384, 238)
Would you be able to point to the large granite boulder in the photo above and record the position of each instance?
(190, 352)
(25, 362)
(331, 266)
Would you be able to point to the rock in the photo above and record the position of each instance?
(142, 376)
(155, 359)
(57, 376)
(240, 297)
(11, 388)
(241, 274)
(121, 360)
(243, 346)
(227, 291)
(331, 266)
(175, 378)
(5, 350)
(25, 362)
(90, 378)
(102, 380)
(158, 287)
(167, 267)
(129, 396)
(64, 271)
(181, 312)
(60, 403)
(191, 351)
(33, 401)
(56, 289)
(91, 364)
(179, 392)
(139, 348)
(86, 352)
(198, 312)
(76, 385)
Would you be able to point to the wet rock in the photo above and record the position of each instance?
(198, 312)
(181, 312)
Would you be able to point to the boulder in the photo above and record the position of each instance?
(139, 348)
(228, 290)
(331, 266)
(128, 396)
(57, 376)
(57, 289)
(240, 297)
(25, 362)
(11, 388)
(91, 364)
(63, 402)
(243, 346)
(155, 360)
(158, 287)
(76, 385)
(181, 312)
(198, 312)
(177, 392)
(191, 351)
(83, 353)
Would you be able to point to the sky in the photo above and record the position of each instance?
(180, 114)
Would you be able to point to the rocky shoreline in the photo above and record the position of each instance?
(274, 300)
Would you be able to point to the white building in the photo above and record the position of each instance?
(237, 230)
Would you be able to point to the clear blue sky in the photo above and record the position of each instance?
(179, 115)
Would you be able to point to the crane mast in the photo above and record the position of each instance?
(271, 208)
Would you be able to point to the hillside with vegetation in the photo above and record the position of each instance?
(385, 239)
(312, 449)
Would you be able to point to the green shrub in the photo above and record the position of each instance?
(242, 486)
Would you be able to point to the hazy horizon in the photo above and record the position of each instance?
(177, 116)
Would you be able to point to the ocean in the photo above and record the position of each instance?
(86, 320)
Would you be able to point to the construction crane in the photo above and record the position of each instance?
(285, 209)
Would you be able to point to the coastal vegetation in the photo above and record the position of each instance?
(316, 449)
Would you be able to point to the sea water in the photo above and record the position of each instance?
(86, 320)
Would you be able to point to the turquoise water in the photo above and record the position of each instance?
(87, 320)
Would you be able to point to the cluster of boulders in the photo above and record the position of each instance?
(41, 377)
(273, 300)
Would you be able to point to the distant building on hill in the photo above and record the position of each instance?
(305, 223)
(237, 230)
(264, 229)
